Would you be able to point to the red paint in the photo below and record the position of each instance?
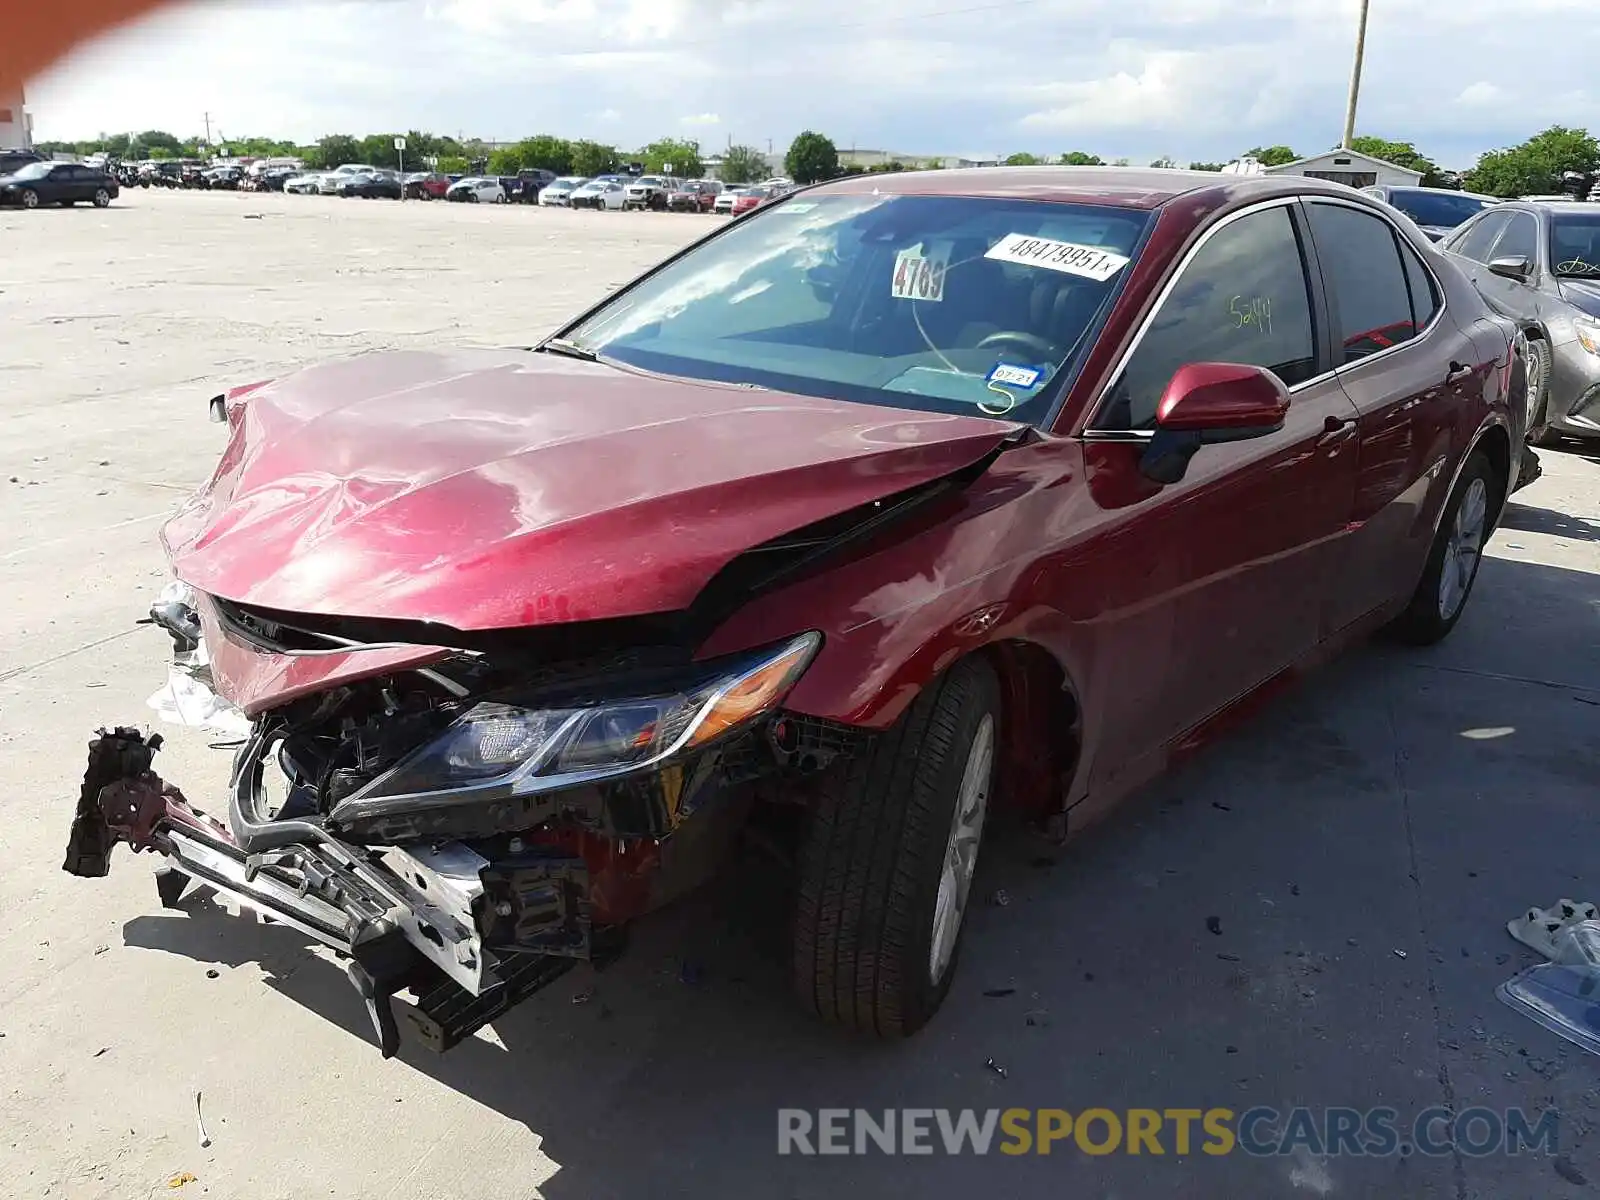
(495, 489)
(1205, 396)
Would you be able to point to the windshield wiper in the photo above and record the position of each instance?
(570, 349)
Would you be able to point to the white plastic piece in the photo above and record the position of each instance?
(1566, 932)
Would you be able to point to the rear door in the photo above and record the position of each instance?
(1227, 566)
(1406, 367)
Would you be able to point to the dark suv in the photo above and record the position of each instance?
(530, 181)
(1435, 210)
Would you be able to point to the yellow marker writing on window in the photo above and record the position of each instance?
(1254, 312)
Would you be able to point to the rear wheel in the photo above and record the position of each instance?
(887, 862)
(1452, 568)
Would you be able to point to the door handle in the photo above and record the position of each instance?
(1336, 429)
(1457, 372)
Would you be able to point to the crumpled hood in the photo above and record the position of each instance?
(491, 489)
(1582, 294)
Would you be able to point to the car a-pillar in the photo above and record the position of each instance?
(887, 862)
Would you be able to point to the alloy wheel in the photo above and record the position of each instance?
(961, 849)
(30, 199)
(1463, 548)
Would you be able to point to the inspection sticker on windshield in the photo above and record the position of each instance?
(1014, 376)
(919, 275)
(1089, 261)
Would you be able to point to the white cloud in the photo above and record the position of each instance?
(1481, 94)
(1138, 78)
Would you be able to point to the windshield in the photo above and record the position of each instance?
(34, 170)
(1575, 245)
(1439, 209)
(570, 181)
(937, 303)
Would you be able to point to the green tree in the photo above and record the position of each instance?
(1077, 158)
(1165, 163)
(1024, 159)
(1206, 166)
(1536, 165)
(505, 161)
(744, 164)
(544, 150)
(1271, 156)
(453, 164)
(335, 150)
(1401, 154)
(593, 158)
(682, 155)
(1119, 162)
(811, 158)
(156, 139)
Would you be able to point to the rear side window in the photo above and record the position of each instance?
(1424, 295)
(1475, 240)
(1366, 281)
(1242, 299)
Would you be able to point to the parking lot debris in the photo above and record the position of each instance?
(1214, 925)
(996, 993)
(181, 1178)
(1400, 953)
(583, 997)
(1037, 1017)
(1559, 994)
(199, 1123)
(1000, 898)
(995, 1067)
(1561, 933)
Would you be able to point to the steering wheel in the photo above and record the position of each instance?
(1031, 344)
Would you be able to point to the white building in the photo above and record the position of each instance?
(16, 126)
(1350, 167)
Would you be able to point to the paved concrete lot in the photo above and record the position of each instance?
(1360, 845)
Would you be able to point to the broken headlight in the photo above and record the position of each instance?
(498, 750)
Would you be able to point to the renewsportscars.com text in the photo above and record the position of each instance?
(1372, 1132)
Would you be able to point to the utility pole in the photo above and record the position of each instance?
(208, 128)
(1355, 80)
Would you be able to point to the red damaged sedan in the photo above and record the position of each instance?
(908, 500)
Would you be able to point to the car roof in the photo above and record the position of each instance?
(1565, 206)
(1123, 187)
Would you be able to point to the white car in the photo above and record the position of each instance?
(597, 193)
(726, 197)
(308, 184)
(558, 192)
(477, 189)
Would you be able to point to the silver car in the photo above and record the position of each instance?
(1539, 264)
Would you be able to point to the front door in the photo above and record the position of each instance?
(1233, 559)
(1406, 367)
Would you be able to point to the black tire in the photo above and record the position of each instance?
(1425, 620)
(872, 857)
(1538, 368)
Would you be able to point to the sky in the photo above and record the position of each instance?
(1190, 79)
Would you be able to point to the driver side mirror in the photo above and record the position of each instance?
(1512, 266)
(1209, 403)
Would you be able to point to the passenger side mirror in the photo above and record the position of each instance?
(1512, 266)
(1209, 403)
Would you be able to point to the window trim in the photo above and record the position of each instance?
(1091, 431)
(1395, 232)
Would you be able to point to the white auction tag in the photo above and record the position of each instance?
(1091, 262)
(919, 276)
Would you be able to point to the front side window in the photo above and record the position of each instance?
(936, 303)
(1241, 299)
(1474, 241)
(1520, 238)
(1361, 265)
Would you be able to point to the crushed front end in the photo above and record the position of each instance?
(463, 823)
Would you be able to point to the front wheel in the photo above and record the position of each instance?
(102, 198)
(1452, 568)
(1536, 356)
(887, 862)
(30, 198)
